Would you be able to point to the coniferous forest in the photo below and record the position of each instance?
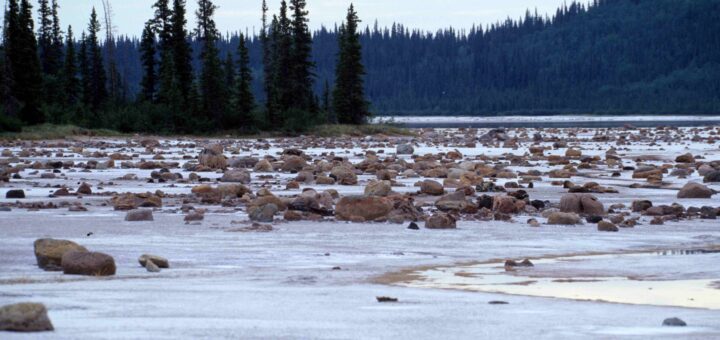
(611, 56)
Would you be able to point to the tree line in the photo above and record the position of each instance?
(186, 84)
(609, 56)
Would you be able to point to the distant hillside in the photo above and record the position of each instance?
(616, 56)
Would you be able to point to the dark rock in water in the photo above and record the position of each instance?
(512, 263)
(386, 299)
(538, 204)
(498, 303)
(25, 317)
(640, 206)
(712, 177)
(15, 194)
(674, 322)
(594, 219)
(88, 263)
(413, 226)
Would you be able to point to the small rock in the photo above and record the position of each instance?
(607, 226)
(151, 267)
(441, 221)
(674, 322)
(382, 299)
(559, 218)
(413, 226)
(265, 213)
(404, 149)
(161, 262)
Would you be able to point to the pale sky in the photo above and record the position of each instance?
(238, 15)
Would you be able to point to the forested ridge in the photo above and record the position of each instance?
(611, 56)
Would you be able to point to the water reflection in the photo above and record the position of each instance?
(493, 278)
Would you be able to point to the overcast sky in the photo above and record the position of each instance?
(238, 15)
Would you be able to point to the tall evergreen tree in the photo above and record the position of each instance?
(84, 66)
(56, 50)
(282, 77)
(147, 54)
(301, 74)
(162, 22)
(70, 82)
(268, 64)
(212, 90)
(98, 77)
(24, 64)
(349, 101)
(229, 70)
(244, 101)
(45, 36)
(181, 50)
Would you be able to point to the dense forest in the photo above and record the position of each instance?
(610, 56)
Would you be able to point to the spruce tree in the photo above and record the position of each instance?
(98, 77)
(162, 22)
(349, 103)
(244, 102)
(24, 64)
(211, 84)
(147, 55)
(268, 71)
(181, 50)
(283, 65)
(56, 50)
(84, 66)
(45, 36)
(70, 82)
(301, 74)
(229, 70)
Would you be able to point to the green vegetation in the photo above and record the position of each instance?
(46, 82)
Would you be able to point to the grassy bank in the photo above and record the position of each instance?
(50, 131)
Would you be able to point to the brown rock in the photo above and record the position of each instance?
(378, 188)
(141, 215)
(88, 263)
(560, 218)
(158, 260)
(84, 189)
(369, 208)
(505, 205)
(293, 163)
(433, 188)
(586, 204)
(607, 226)
(695, 190)
(344, 175)
(441, 221)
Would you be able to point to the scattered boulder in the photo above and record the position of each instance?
(640, 206)
(263, 166)
(607, 226)
(344, 175)
(49, 252)
(151, 267)
(586, 204)
(15, 194)
(157, 260)
(433, 188)
(141, 215)
(404, 149)
(561, 218)
(213, 158)
(695, 190)
(236, 176)
(88, 263)
(712, 176)
(131, 201)
(505, 204)
(686, 158)
(25, 317)
(453, 202)
(264, 213)
(378, 188)
(674, 322)
(441, 221)
(293, 163)
(363, 208)
(84, 189)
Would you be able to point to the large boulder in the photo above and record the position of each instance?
(49, 252)
(505, 204)
(363, 208)
(429, 187)
(344, 175)
(441, 221)
(25, 317)
(695, 190)
(586, 204)
(236, 176)
(213, 158)
(561, 218)
(88, 263)
(378, 188)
